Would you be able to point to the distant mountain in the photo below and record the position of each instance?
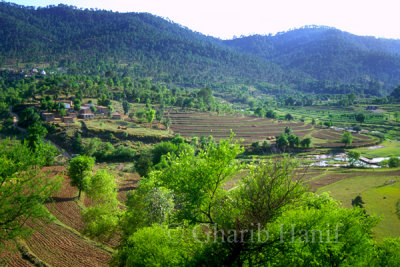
(312, 60)
(91, 41)
(328, 54)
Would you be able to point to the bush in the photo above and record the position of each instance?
(394, 162)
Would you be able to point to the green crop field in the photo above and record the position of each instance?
(379, 189)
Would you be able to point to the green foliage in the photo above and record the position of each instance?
(288, 117)
(102, 219)
(388, 253)
(353, 156)
(183, 173)
(288, 131)
(103, 101)
(147, 205)
(282, 141)
(28, 117)
(294, 141)
(150, 115)
(126, 106)
(36, 133)
(106, 152)
(167, 122)
(144, 163)
(394, 162)
(79, 171)
(360, 117)
(157, 246)
(358, 202)
(270, 114)
(24, 189)
(306, 142)
(265, 219)
(347, 138)
(77, 104)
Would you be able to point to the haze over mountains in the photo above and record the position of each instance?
(311, 59)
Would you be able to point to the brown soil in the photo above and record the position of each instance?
(57, 246)
(12, 257)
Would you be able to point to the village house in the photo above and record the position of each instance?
(68, 119)
(86, 113)
(116, 116)
(102, 110)
(48, 117)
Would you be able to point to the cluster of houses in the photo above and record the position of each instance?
(86, 112)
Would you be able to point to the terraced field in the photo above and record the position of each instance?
(253, 129)
(61, 243)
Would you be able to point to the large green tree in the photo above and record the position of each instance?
(347, 138)
(79, 171)
(267, 218)
(24, 188)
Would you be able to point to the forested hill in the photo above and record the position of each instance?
(328, 54)
(313, 60)
(145, 45)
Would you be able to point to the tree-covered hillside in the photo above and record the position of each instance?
(149, 46)
(328, 54)
(316, 60)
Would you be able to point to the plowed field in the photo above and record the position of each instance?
(253, 129)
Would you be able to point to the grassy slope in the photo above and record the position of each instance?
(379, 195)
(390, 148)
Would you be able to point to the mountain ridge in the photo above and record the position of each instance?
(309, 59)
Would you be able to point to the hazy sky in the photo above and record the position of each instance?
(224, 19)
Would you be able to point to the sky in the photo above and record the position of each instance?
(227, 19)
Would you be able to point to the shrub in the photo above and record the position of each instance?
(394, 162)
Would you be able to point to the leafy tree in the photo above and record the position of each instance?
(347, 138)
(102, 219)
(354, 156)
(77, 143)
(288, 117)
(36, 133)
(150, 115)
(144, 163)
(270, 114)
(207, 97)
(358, 202)
(157, 245)
(77, 104)
(357, 128)
(260, 112)
(24, 189)
(79, 172)
(306, 142)
(267, 218)
(28, 116)
(147, 205)
(131, 115)
(294, 141)
(282, 141)
(167, 122)
(126, 106)
(93, 108)
(197, 201)
(360, 117)
(103, 101)
(394, 162)
(288, 130)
